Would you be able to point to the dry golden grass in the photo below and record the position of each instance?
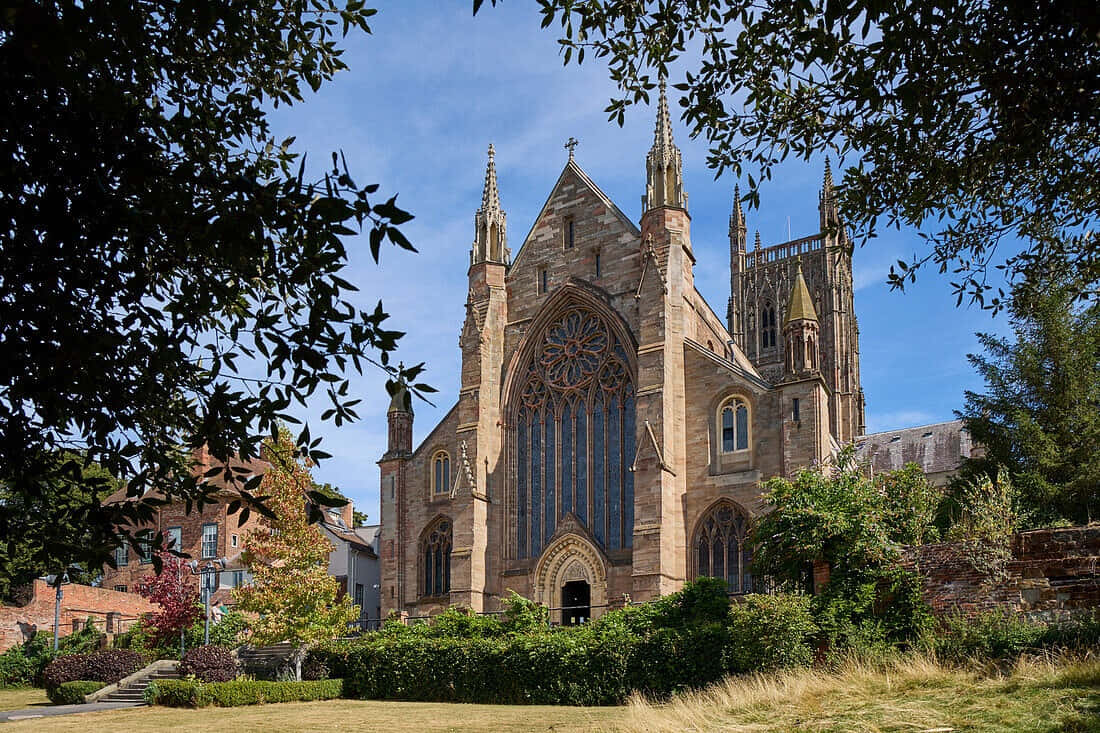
(335, 715)
(913, 694)
(19, 699)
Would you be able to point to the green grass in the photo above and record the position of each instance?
(22, 698)
(911, 695)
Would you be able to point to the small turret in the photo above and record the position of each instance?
(490, 221)
(800, 329)
(664, 168)
(400, 419)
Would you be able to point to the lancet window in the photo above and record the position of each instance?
(721, 547)
(767, 326)
(435, 559)
(573, 436)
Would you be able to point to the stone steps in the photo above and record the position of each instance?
(134, 692)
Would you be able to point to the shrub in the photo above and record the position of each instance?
(193, 694)
(227, 632)
(209, 663)
(770, 632)
(72, 693)
(16, 670)
(108, 666)
(314, 668)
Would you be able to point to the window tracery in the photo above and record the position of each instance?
(721, 547)
(573, 432)
(435, 559)
(733, 425)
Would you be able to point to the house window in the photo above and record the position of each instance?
(122, 554)
(120, 588)
(174, 538)
(721, 547)
(435, 559)
(794, 410)
(359, 597)
(145, 545)
(734, 425)
(209, 540)
(543, 281)
(767, 326)
(598, 273)
(441, 473)
(235, 578)
(569, 232)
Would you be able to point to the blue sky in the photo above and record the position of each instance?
(427, 93)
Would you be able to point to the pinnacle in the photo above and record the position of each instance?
(757, 247)
(662, 132)
(737, 216)
(490, 197)
(828, 187)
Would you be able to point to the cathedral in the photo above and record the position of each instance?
(612, 433)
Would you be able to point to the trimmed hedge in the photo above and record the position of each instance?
(108, 666)
(209, 663)
(72, 693)
(195, 694)
(683, 641)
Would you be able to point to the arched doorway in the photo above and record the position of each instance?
(576, 603)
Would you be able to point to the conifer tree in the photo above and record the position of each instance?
(292, 594)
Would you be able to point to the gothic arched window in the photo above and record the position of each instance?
(435, 559)
(767, 326)
(721, 547)
(441, 472)
(733, 425)
(573, 432)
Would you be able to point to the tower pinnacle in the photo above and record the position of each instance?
(664, 174)
(830, 219)
(737, 222)
(490, 221)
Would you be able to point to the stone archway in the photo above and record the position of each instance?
(571, 558)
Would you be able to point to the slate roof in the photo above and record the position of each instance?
(936, 448)
(202, 462)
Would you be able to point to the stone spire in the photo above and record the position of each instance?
(664, 168)
(737, 223)
(801, 306)
(826, 207)
(490, 221)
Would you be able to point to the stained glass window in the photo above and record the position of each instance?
(435, 557)
(721, 548)
(573, 429)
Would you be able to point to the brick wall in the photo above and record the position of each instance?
(1052, 574)
(79, 602)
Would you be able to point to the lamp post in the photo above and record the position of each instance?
(57, 581)
(204, 571)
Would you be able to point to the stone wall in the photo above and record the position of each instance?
(111, 610)
(1053, 573)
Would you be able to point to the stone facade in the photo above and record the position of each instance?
(611, 433)
(1052, 574)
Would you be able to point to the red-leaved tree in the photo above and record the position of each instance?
(177, 597)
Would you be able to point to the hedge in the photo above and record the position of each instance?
(195, 694)
(210, 663)
(72, 693)
(681, 642)
(109, 666)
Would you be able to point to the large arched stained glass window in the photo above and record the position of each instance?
(573, 427)
(721, 548)
(435, 559)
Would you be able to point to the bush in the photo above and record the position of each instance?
(194, 694)
(16, 670)
(210, 663)
(107, 666)
(72, 693)
(314, 668)
(770, 632)
(227, 632)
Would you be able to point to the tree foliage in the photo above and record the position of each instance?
(292, 594)
(975, 122)
(173, 274)
(174, 590)
(1039, 415)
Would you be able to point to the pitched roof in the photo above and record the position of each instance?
(937, 448)
(201, 462)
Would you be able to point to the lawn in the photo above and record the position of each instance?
(913, 695)
(390, 717)
(22, 698)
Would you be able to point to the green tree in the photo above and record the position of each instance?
(1039, 415)
(974, 121)
(292, 595)
(173, 274)
(50, 529)
(858, 525)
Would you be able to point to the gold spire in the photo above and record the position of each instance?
(801, 306)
